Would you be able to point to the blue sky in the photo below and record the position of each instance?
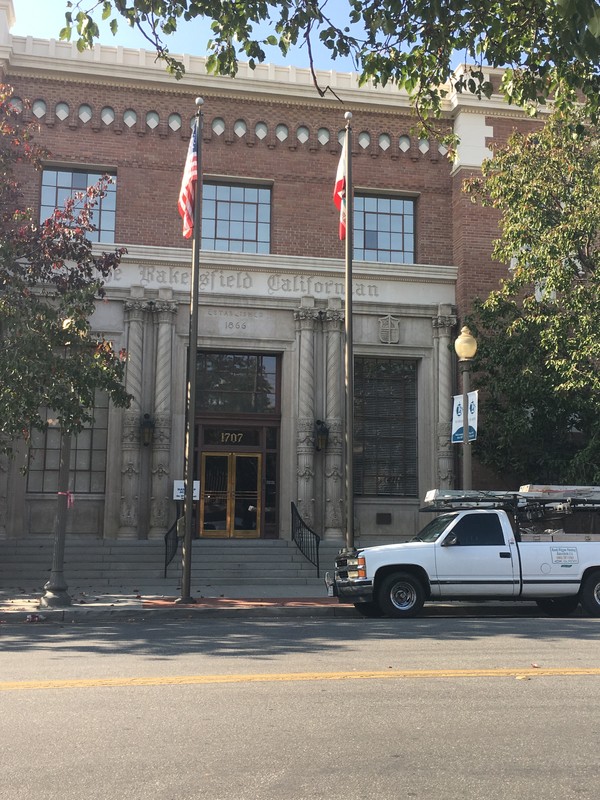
(45, 18)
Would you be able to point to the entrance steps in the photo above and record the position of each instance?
(104, 564)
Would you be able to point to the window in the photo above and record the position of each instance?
(385, 427)
(88, 455)
(60, 184)
(236, 218)
(384, 229)
(479, 529)
(241, 383)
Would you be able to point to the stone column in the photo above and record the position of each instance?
(442, 328)
(130, 460)
(334, 467)
(160, 496)
(306, 317)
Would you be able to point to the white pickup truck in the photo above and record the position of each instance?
(470, 554)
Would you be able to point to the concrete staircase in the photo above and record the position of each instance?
(130, 566)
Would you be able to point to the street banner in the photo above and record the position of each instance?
(457, 417)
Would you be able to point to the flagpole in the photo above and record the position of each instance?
(349, 341)
(190, 417)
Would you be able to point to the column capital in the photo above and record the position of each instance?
(304, 314)
(447, 321)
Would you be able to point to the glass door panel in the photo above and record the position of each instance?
(214, 495)
(246, 495)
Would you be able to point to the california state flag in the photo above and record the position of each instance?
(339, 193)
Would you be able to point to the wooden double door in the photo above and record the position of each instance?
(231, 495)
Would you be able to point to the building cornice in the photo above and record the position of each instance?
(283, 85)
(27, 55)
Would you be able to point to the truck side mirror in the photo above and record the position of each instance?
(450, 540)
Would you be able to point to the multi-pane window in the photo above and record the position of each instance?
(384, 229)
(236, 218)
(385, 427)
(59, 185)
(88, 455)
(240, 383)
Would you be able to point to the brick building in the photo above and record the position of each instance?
(270, 344)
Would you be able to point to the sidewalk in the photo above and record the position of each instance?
(22, 606)
(127, 603)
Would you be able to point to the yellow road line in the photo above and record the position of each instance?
(193, 680)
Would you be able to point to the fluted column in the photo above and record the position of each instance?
(442, 326)
(130, 459)
(160, 497)
(334, 467)
(305, 332)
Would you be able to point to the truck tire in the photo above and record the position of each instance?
(401, 594)
(590, 594)
(370, 610)
(558, 606)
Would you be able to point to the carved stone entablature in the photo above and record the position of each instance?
(389, 329)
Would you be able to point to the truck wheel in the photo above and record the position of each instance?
(590, 594)
(401, 595)
(370, 610)
(558, 606)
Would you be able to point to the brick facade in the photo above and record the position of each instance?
(289, 300)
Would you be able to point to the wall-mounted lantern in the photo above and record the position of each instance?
(147, 426)
(321, 435)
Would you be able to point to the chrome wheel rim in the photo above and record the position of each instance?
(403, 596)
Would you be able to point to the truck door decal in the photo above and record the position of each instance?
(564, 555)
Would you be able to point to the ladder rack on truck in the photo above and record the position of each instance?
(564, 499)
(539, 512)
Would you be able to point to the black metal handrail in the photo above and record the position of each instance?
(307, 541)
(171, 545)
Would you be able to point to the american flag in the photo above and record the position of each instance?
(187, 193)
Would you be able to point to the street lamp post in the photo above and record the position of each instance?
(466, 347)
(55, 589)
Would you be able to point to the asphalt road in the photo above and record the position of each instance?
(301, 709)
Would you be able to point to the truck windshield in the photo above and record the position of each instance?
(434, 529)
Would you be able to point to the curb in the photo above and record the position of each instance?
(77, 615)
(74, 615)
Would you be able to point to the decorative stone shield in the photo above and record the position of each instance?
(389, 329)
